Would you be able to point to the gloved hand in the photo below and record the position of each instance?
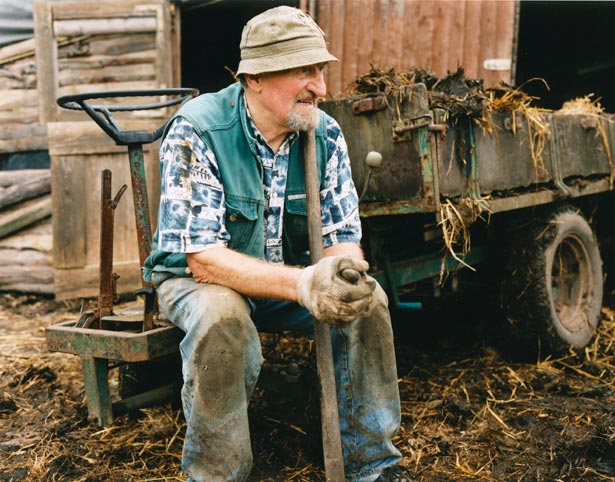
(336, 290)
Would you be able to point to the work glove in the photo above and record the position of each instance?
(336, 290)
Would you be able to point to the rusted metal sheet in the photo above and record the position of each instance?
(399, 133)
(478, 35)
(583, 145)
(509, 157)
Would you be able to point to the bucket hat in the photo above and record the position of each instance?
(281, 38)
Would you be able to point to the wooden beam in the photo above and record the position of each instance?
(46, 61)
(69, 28)
(8, 178)
(12, 220)
(84, 282)
(29, 189)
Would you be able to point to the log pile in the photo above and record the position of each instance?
(25, 231)
(20, 129)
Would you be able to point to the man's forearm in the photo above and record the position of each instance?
(252, 277)
(244, 274)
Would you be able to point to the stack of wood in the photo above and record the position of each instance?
(26, 263)
(20, 128)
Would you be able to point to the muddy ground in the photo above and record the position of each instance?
(473, 410)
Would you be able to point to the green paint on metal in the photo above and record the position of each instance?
(140, 199)
(113, 345)
(157, 395)
(427, 170)
(95, 372)
(424, 267)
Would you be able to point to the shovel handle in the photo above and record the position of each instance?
(331, 436)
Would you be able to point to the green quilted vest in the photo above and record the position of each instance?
(221, 122)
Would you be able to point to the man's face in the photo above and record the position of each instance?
(290, 96)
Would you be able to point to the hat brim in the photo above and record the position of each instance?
(284, 61)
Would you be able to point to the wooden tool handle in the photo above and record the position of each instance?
(331, 437)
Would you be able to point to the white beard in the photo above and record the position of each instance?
(297, 121)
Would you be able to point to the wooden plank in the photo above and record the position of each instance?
(104, 61)
(351, 44)
(8, 178)
(122, 73)
(27, 190)
(16, 98)
(471, 46)
(37, 237)
(69, 213)
(84, 282)
(125, 238)
(27, 279)
(11, 131)
(505, 29)
(336, 38)
(456, 35)
(408, 44)
(19, 81)
(23, 144)
(176, 45)
(46, 61)
(379, 29)
(21, 115)
(365, 13)
(103, 9)
(164, 68)
(83, 26)
(17, 51)
(26, 214)
(118, 44)
(23, 257)
(488, 36)
(79, 138)
(443, 12)
(425, 33)
(394, 32)
(83, 88)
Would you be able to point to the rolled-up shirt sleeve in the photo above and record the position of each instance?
(338, 199)
(191, 215)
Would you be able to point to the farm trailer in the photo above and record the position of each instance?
(423, 181)
(518, 196)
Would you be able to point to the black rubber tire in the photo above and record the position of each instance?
(553, 285)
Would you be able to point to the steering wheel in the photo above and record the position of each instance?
(101, 114)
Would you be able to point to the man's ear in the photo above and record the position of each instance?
(254, 82)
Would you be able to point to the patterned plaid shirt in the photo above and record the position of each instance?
(191, 181)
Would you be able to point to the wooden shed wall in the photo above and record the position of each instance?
(438, 34)
(20, 129)
(84, 47)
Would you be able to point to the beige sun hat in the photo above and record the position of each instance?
(281, 38)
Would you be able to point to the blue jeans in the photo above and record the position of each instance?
(221, 361)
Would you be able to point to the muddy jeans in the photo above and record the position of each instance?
(221, 361)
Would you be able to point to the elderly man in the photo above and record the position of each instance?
(231, 237)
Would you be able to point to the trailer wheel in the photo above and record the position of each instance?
(553, 288)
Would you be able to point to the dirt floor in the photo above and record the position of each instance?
(471, 410)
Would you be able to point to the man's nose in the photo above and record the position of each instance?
(317, 84)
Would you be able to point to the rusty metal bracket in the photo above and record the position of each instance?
(441, 128)
(108, 279)
(402, 129)
(369, 104)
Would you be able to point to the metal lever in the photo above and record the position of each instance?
(373, 161)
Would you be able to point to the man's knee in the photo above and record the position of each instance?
(196, 307)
